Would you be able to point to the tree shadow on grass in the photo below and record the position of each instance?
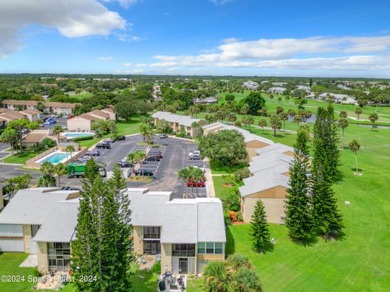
(307, 242)
(230, 244)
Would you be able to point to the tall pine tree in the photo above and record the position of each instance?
(299, 220)
(325, 128)
(102, 246)
(326, 214)
(259, 229)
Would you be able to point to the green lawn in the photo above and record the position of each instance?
(21, 158)
(221, 191)
(358, 262)
(9, 265)
(124, 128)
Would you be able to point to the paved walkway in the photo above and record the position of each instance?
(209, 179)
(30, 262)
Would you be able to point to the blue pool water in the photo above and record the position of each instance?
(54, 158)
(75, 135)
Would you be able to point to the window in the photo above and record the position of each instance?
(185, 250)
(152, 247)
(151, 232)
(59, 256)
(210, 247)
(218, 248)
(201, 247)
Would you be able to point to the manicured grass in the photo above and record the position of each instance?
(124, 128)
(359, 261)
(81, 95)
(144, 280)
(221, 191)
(194, 285)
(21, 158)
(129, 127)
(9, 265)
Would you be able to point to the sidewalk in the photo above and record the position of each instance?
(209, 179)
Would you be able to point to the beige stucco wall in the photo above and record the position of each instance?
(211, 130)
(138, 243)
(274, 208)
(211, 257)
(42, 257)
(251, 152)
(79, 124)
(273, 200)
(27, 238)
(166, 257)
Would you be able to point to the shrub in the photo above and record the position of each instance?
(156, 268)
(82, 138)
(232, 202)
(242, 173)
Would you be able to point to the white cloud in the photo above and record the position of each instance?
(220, 2)
(72, 18)
(105, 58)
(316, 53)
(124, 3)
(124, 37)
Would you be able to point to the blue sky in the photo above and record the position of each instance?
(198, 37)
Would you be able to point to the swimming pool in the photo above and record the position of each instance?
(71, 135)
(54, 158)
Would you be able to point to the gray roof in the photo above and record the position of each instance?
(30, 206)
(248, 137)
(60, 223)
(173, 118)
(147, 207)
(193, 220)
(262, 181)
(277, 147)
(268, 161)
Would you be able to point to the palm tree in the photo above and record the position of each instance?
(184, 174)
(284, 118)
(139, 157)
(47, 179)
(358, 112)
(57, 130)
(355, 146)
(262, 123)
(197, 176)
(147, 132)
(59, 169)
(216, 277)
(131, 157)
(343, 123)
(373, 118)
(343, 114)
(276, 124)
(69, 149)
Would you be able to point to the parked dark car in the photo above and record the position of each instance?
(163, 136)
(153, 158)
(120, 138)
(103, 145)
(144, 172)
(125, 164)
(93, 153)
(155, 153)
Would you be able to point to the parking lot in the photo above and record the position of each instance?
(175, 157)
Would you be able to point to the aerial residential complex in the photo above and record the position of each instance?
(187, 232)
